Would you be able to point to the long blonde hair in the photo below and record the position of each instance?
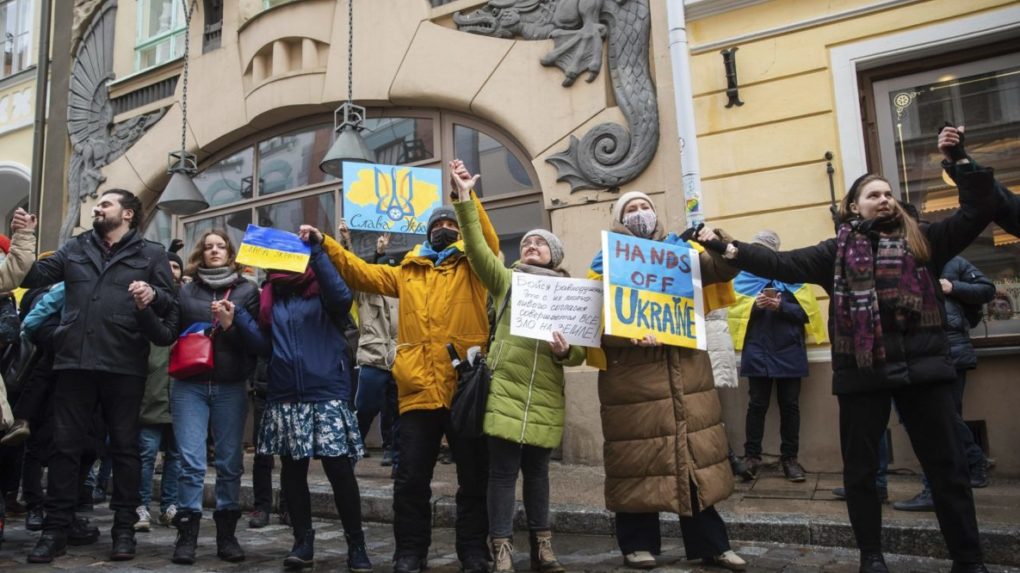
(917, 242)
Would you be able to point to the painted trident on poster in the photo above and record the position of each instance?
(390, 198)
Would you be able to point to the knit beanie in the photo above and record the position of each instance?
(442, 212)
(554, 242)
(627, 197)
(767, 238)
(175, 258)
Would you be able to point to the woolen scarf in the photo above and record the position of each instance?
(868, 279)
(217, 278)
(303, 284)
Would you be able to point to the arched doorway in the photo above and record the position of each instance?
(14, 180)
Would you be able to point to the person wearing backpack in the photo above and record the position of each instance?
(966, 290)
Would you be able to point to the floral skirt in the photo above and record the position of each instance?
(310, 429)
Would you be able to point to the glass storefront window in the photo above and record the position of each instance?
(235, 224)
(160, 33)
(983, 96)
(228, 180)
(16, 24)
(400, 140)
(160, 228)
(501, 171)
(292, 160)
(511, 223)
(316, 210)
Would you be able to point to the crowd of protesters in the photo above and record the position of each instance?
(93, 377)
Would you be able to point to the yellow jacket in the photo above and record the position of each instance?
(438, 305)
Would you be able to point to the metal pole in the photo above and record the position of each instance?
(683, 100)
(42, 84)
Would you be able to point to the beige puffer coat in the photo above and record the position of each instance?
(13, 270)
(662, 421)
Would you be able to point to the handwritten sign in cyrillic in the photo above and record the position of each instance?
(270, 248)
(541, 305)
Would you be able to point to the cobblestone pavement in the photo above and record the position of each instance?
(266, 548)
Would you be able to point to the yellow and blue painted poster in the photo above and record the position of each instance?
(390, 198)
(269, 248)
(651, 287)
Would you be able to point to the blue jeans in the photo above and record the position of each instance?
(199, 408)
(377, 394)
(149, 440)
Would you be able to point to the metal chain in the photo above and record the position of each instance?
(184, 79)
(350, 51)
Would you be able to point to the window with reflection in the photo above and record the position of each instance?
(501, 171)
(16, 23)
(400, 140)
(316, 210)
(292, 160)
(160, 33)
(228, 180)
(160, 228)
(234, 223)
(984, 96)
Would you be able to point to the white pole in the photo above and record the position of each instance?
(683, 101)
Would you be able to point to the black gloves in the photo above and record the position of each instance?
(956, 152)
(691, 232)
(717, 246)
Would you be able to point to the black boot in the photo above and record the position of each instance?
(227, 547)
(357, 554)
(187, 523)
(82, 532)
(123, 546)
(51, 544)
(873, 562)
(303, 553)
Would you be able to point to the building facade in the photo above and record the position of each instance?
(561, 106)
(19, 19)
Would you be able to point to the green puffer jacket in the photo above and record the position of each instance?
(526, 399)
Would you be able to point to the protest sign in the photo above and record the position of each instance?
(269, 248)
(653, 288)
(390, 198)
(540, 305)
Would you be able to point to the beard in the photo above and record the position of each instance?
(104, 225)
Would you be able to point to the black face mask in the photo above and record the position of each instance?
(442, 238)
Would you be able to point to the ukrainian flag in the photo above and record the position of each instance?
(270, 248)
(747, 287)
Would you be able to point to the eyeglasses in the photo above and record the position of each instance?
(536, 242)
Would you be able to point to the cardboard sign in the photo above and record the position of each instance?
(390, 198)
(270, 248)
(653, 288)
(541, 305)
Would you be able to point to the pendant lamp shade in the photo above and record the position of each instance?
(181, 196)
(349, 146)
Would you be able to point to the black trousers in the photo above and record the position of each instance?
(927, 412)
(420, 434)
(704, 532)
(788, 398)
(262, 465)
(75, 398)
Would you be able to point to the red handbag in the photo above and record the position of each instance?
(193, 352)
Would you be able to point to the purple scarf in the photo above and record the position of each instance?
(304, 284)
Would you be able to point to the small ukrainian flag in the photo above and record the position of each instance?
(270, 248)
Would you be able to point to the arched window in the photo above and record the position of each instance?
(275, 179)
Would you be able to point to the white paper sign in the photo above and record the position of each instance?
(541, 305)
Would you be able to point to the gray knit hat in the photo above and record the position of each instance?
(440, 213)
(554, 242)
(767, 238)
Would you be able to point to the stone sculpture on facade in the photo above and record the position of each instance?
(609, 155)
(95, 140)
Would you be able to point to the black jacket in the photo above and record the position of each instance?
(774, 342)
(972, 288)
(912, 356)
(232, 360)
(100, 327)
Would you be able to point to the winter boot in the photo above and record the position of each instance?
(357, 554)
(502, 555)
(187, 523)
(227, 547)
(303, 552)
(542, 557)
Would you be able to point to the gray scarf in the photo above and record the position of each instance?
(217, 278)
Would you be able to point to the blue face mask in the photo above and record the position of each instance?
(442, 238)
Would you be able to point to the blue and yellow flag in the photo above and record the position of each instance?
(747, 287)
(269, 248)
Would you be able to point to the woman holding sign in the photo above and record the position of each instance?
(665, 447)
(886, 321)
(214, 402)
(524, 412)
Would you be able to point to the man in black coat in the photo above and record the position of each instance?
(119, 297)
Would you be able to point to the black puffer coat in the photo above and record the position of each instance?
(972, 288)
(233, 361)
(912, 356)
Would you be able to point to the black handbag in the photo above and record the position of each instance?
(467, 412)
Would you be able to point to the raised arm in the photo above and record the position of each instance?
(806, 265)
(359, 275)
(486, 265)
(336, 296)
(19, 259)
(978, 204)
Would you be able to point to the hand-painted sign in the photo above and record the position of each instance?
(269, 248)
(652, 288)
(390, 198)
(540, 305)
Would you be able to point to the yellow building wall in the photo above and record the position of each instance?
(17, 112)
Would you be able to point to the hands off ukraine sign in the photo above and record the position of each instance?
(390, 198)
(652, 288)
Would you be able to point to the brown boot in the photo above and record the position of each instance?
(502, 555)
(542, 557)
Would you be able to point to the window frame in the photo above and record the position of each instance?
(22, 7)
(142, 45)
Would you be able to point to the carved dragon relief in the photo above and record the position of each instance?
(95, 140)
(609, 155)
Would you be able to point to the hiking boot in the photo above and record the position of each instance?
(728, 560)
(144, 519)
(34, 519)
(474, 564)
(123, 546)
(258, 519)
(409, 564)
(51, 544)
(502, 555)
(357, 554)
(227, 547)
(187, 523)
(752, 468)
(166, 519)
(793, 470)
(872, 563)
(543, 559)
(82, 532)
(639, 560)
(16, 434)
(920, 502)
(302, 554)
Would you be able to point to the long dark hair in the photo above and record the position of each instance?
(917, 243)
